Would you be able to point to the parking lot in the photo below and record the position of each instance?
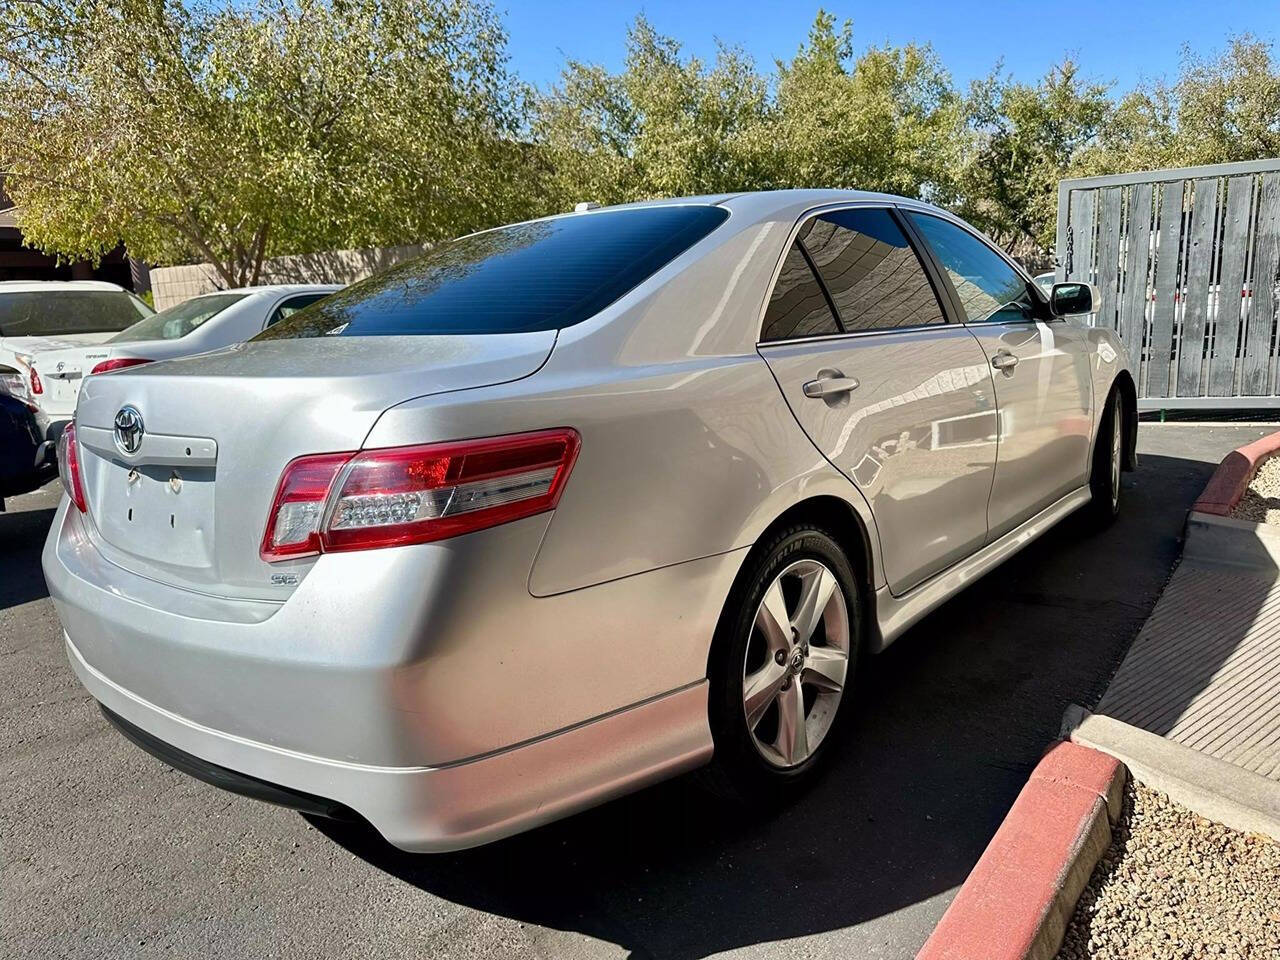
(108, 853)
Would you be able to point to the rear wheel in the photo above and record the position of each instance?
(1108, 461)
(782, 665)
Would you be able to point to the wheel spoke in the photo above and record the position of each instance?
(825, 668)
(793, 740)
(761, 689)
(815, 591)
(772, 619)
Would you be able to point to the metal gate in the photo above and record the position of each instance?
(1187, 264)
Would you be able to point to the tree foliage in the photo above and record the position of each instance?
(1025, 138)
(230, 131)
(1220, 109)
(668, 124)
(234, 132)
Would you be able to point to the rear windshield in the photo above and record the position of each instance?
(51, 313)
(532, 276)
(178, 320)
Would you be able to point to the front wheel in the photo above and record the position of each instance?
(782, 664)
(1108, 460)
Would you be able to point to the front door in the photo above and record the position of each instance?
(895, 397)
(1041, 370)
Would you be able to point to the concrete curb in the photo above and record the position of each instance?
(1231, 479)
(1017, 901)
(1213, 788)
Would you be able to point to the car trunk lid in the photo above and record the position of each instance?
(180, 492)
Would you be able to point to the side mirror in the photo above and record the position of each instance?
(1072, 299)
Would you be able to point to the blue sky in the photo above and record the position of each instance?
(1117, 41)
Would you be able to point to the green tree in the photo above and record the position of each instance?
(887, 120)
(1221, 109)
(1027, 136)
(665, 126)
(669, 125)
(232, 133)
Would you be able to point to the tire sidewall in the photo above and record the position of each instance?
(1106, 500)
(735, 752)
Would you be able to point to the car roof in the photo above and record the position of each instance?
(45, 286)
(277, 288)
(765, 205)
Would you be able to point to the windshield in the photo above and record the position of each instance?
(178, 320)
(544, 275)
(51, 313)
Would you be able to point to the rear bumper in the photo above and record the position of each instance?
(422, 686)
(431, 809)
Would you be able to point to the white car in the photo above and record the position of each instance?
(51, 314)
(194, 326)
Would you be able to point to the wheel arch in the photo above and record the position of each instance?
(1128, 394)
(839, 518)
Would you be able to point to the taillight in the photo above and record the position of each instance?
(37, 387)
(69, 467)
(106, 366)
(398, 495)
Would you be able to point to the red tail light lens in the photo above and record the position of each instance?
(399, 495)
(106, 366)
(37, 386)
(69, 467)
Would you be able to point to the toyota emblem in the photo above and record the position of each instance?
(128, 430)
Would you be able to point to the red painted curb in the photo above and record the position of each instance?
(1231, 479)
(1014, 903)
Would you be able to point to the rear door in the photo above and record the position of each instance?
(899, 400)
(1040, 366)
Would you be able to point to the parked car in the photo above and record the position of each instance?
(566, 507)
(50, 314)
(26, 462)
(194, 326)
(1045, 281)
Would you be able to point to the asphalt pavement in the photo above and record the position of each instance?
(105, 852)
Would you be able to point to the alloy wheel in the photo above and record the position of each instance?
(796, 662)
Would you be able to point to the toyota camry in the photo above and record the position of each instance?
(570, 506)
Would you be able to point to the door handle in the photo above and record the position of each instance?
(1004, 362)
(829, 387)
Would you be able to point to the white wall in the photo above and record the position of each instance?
(172, 285)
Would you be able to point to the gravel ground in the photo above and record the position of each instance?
(1261, 502)
(1175, 885)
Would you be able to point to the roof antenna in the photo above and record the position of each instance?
(585, 205)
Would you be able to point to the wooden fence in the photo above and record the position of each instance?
(1187, 265)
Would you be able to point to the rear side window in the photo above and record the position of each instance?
(62, 312)
(292, 306)
(798, 307)
(179, 320)
(873, 275)
(532, 276)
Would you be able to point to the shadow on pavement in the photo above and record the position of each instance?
(22, 536)
(950, 720)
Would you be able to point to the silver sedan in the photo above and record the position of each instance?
(567, 507)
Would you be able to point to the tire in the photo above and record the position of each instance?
(1108, 462)
(772, 755)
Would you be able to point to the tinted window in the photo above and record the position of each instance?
(60, 312)
(178, 320)
(798, 307)
(292, 306)
(988, 287)
(873, 275)
(532, 276)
